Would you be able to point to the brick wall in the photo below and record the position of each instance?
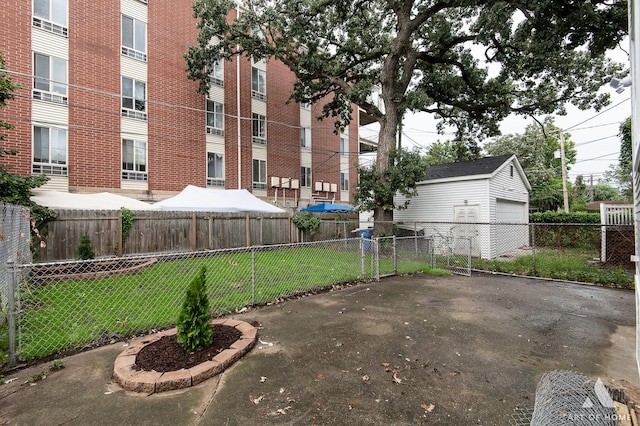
(94, 142)
(177, 148)
(15, 21)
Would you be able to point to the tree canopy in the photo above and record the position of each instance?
(469, 62)
(536, 150)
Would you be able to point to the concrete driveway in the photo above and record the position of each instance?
(408, 350)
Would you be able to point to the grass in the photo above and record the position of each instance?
(564, 264)
(67, 314)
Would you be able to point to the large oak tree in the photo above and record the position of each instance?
(469, 62)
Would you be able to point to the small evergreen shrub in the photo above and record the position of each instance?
(306, 222)
(85, 248)
(194, 326)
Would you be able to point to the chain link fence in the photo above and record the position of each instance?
(63, 306)
(569, 398)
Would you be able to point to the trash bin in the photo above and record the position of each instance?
(366, 235)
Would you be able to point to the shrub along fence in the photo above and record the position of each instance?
(158, 232)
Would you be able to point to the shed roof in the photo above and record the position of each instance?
(481, 166)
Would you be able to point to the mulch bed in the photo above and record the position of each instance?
(166, 354)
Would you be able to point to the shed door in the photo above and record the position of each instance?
(466, 218)
(510, 211)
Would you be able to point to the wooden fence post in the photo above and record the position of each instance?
(194, 247)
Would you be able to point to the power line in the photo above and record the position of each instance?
(598, 114)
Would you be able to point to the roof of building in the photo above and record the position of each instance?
(481, 166)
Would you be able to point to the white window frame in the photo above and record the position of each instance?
(132, 48)
(52, 20)
(216, 73)
(259, 175)
(305, 137)
(258, 84)
(138, 170)
(214, 118)
(55, 163)
(344, 145)
(259, 129)
(51, 87)
(138, 109)
(305, 177)
(344, 181)
(217, 177)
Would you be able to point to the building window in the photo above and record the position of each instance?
(134, 160)
(258, 84)
(259, 128)
(134, 104)
(344, 146)
(259, 174)
(51, 16)
(215, 118)
(305, 176)
(216, 73)
(215, 169)
(134, 38)
(49, 151)
(511, 171)
(344, 181)
(50, 83)
(305, 137)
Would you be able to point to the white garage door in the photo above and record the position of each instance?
(508, 237)
(510, 211)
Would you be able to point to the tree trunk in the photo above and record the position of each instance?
(383, 219)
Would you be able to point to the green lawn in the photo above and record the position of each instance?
(67, 314)
(572, 264)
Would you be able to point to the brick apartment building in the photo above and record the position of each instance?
(106, 106)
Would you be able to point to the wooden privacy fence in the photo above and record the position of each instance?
(161, 231)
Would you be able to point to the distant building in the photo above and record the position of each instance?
(106, 106)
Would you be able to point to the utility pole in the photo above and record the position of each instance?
(565, 194)
(591, 188)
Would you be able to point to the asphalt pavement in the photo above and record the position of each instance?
(408, 350)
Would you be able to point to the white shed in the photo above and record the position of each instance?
(485, 200)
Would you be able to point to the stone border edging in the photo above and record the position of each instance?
(152, 381)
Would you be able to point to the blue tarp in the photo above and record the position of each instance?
(327, 208)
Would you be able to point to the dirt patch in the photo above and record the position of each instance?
(166, 354)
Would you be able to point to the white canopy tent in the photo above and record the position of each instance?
(98, 201)
(194, 198)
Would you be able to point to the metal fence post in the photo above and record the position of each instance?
(11, 305)
(362, 254)
(253, 276)
(395, 256)
(533, 245)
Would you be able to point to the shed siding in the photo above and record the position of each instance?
(505, 187)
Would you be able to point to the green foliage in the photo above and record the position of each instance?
(565, 264)
(128, 217)
(375, 188)
(306, 222)
(421, 56)
(194, 321)
(561, 217)
(620, 174)
(449, 152)
(85, 248)
(536, 149)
